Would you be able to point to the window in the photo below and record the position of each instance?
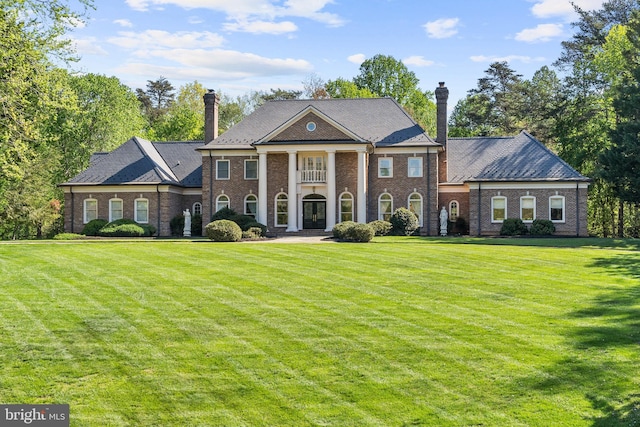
(415, 167)
(251, 205)
(282, 210)
(385, 167)
(498, 209)
(453, 210)
(346, 207)
(90, 210)
(197, 208)
(141, 211)
(115, 209)
(527, 208)
(385, 207)
(222, 202)
(250, 169)
(556, 208)
(415, 206)
(222, 169)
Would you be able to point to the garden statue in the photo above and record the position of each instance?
(444, 221)
(187, 224)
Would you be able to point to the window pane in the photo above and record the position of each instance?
(142, 211)
(251, 206)
(251, 169)
(415, 166)
(385, 167)
(415, 206)
(346, 208)
(116, 210)
(223, 202)
(282, 207)
(90, 210)
(385, 207)
(499, 209)
(453, 211)
(222, 168)
(527, 209)
(197, 208)
(557, 211)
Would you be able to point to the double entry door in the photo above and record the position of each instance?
(314, 212)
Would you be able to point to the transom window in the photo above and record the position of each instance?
(142, 211)
(90, 210)
(346, 207)
(250, 169)
(222, 202)
(498, 209)
(385, 167)
(415, 206)
(556, 208)
(415, 167)
(282, 210)
(527, 208)
(385, 207)
(222, 169)
(251, 205)
(115, 209)
(453, 210)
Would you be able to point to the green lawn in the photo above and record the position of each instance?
(397, 332)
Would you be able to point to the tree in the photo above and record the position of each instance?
(386, 76)
(341, 88)
(543, 97)
(315, 87)
(281, 94)
(156, 99)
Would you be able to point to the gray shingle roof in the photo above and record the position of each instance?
(139, 161)
(380, 121)
(511, 158)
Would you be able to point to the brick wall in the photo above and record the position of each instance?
(324, 131)
(277, 181)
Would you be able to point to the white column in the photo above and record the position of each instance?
(262, 188)
(362, 187)
(292, 223)
(331, 190)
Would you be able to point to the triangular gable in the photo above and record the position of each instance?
(299, 128)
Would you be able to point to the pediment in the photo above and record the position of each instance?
(311, 126)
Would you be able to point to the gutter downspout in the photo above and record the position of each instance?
(428, 193)
(479, 207)
(158, 203)
(577, 209)
(210, 187)
(73, 208)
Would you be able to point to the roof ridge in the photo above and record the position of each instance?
(160, 165)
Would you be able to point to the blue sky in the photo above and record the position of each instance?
(237, 46)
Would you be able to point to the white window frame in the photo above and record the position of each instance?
(197, 208)
(135, 210)
(381, 160)
(562, 198)
(251, 198)
(218, 176)
(417, 168)
(493, 200)
(380, 200)
(113, 217)
(416, 197)
(522, 199)
(346, 196)
(285, 200)
(247, 161)
(453, 217)
(220, 204)
(86, 210)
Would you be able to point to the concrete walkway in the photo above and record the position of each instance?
(295, 239)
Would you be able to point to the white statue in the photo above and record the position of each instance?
(187, 224)
(444, 221)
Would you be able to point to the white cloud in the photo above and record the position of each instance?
(88, 46)
(562, 8)
(357, 59)
(123, 23)
(195, 20)
(508, 58)
(418, 61)
(261, 27)
(442, 28)
(541, 33)
(157, 39)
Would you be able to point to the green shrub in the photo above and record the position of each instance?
(459, 226)
(340, 229)
(149, 230)
(404, 222)
(380, 227)
(196, 225)
(68, 236)
(122, 230)
(359, 233)
(177, 225)
(93, 227)
(542, 227)
(253, 233)
(513, 227)
(223, 230)
(224, 213)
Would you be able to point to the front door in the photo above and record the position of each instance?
(314, 214)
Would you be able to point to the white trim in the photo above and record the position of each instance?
(535, 203)
(131, 188)
(301, 115)
(352, 200)
(556, 185)
(228, 153)
(84, 209)
(408, 150)
(451, 210)
(115, 199)
(420, 215)
(255, 199)
(453, 188)
(275, 206)
(506, 211)
(564, 210)
(218, 199)
(135, 210)
(273, 148)
(194, 210)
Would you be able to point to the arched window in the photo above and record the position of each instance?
(498, 208)
(282, 210)
(222, 202)
(415, 206)
(251, 205)
(141, 211)
(115, 209)
(453, 210)
(197, 208)
(385, 207)
(556, 208)
(346, 207)
(90, 210)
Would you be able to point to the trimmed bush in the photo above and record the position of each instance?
(224, 213)
(513, 227)
(93, 227)
(253, 233)
(542, 227)
(340, 229)
(223, 230)
(149, 230)
(380, 227)
(404, 222)
(196, 225)
(122, 230)
(68, 236)
(353, 232)
(177, 225)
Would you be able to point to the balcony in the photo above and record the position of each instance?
(313, 175)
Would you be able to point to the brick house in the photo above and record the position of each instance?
(308, 164)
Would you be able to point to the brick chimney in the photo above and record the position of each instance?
(442, 94)
(211, 101)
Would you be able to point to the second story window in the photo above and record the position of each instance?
(385, 167)
(222, 169)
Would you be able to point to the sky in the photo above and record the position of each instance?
(239, 46)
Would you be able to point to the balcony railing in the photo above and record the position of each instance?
(314, 175)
